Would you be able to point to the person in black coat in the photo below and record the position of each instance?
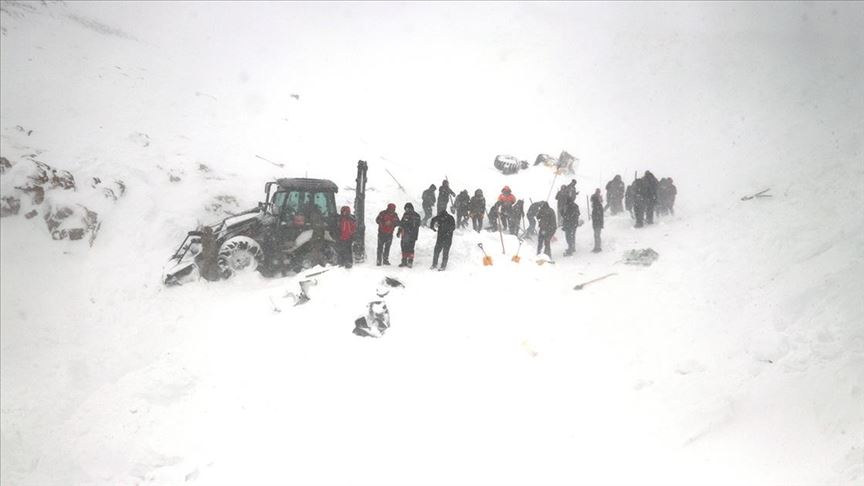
(649, 191)
(547, 225)
(533, 209)
(569, 223)
(597, 218)
(444, 195)
(615, 194)
(462, 201)
(517, 212)
(428, 202)
(477, 209)
(409, 229)
(444, 224)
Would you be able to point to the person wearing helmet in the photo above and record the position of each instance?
(409, 229)
(387, 221)
(477, 209)
(428, 201)
(347, 228)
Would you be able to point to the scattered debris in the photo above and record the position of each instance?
(375, 323)
(139, 138)
(393, 282)
(275, 308)
(9, 206)
(302, 296)
(563, 164)
(758, 195)
(508, 164)
(582, 285)
(295, 96)
(4, 164)
(271, 162)
(644, 257)
(23, 130)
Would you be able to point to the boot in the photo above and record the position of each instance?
(410, 262)
(404, 262)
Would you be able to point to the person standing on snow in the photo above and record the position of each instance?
(628, 200)
(569, 223)
(639, 202)
(547, 225)
(649, 191)
(347, 228)
(444, 224)
(507, 200)
(387, 221)
(597, 219)
(409, 229)
(428, 202)
(477, 209)
(516, 214)
(614, 194)
(444, 195)
(462, 201)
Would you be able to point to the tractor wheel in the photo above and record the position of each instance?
(239, 254)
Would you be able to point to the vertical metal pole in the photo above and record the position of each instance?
(360, 213)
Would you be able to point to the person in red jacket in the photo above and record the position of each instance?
(507, 199)
(347, 228)
(387, 221)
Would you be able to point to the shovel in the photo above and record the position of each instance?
(487, 260)
(582, 285)
(516, 257)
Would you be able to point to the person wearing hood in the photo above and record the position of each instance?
(597, 219)
(462, 201)
(387, 221)
(639, 201)
(564, 195)
(428, 202)
(533, 209)
(444, 224)
(347, 228)
(649, 191)
(444, 195)
(477, 209)
(547, 225)
(517, 212)
(615, 194)
(409, 229)
(569, 223)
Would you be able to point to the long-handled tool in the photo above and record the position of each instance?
(516, 257)
(397, 182)
(501, 233)
(582, 285)
(487, 260)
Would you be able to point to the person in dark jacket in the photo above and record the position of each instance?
(672, 194)
(517, 212)
(570, 221)
(531, 216)
(597, 218)
(649, 194)
(462, 201)
(495, 216)
(477, 209)
(546, 225)
(409, 229)
(387, 221)
(444, 195)
(639, 202)
(615, 194)
(428, 203)
(347, 228)
(444, 224)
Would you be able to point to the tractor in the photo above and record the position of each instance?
(295, 228)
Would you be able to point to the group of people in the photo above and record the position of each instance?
(645, 197)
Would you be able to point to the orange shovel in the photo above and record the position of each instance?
(487, 260)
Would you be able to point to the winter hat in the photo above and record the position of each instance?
(506, 189)
(345, 210)
(391, 207)
(409, 207)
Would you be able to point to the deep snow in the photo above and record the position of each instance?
(738, 358)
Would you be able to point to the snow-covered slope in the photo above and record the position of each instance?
(738, 358)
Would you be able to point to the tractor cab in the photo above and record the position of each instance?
(302, 204)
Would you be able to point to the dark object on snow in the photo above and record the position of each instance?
(477, 209)
(644, 257)
(295, 227)
(760, 194)
(615, 190)
(9, 205)
(508, 164)
(547, 225)
(375, 323)
(428, 200)
(393, 282)
(409, 229)
(583, 284)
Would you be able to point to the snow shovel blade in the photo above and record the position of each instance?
(487, 261)
(515, 258)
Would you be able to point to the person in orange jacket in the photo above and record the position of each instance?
(507, 200)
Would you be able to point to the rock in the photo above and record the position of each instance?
(31, 214)
(9, 206)
(644, 257)
(4, 164)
